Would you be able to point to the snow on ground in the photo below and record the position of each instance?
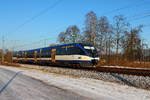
(87, 87)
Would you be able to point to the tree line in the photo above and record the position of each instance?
(116, 37)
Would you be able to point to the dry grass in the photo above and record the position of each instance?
(122, 60)
(124, 63)
(10, 64)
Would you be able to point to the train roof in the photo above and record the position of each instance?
(50, 47)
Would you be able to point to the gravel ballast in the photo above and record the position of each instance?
(131, 80)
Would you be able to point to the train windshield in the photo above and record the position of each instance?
(90, 50)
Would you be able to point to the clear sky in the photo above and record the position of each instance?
(14, 13)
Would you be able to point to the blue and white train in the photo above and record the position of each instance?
(75, 54)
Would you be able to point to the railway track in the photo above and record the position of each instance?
(119, 70)
(129, 71)
(107, 69)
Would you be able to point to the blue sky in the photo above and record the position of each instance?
(48, 25)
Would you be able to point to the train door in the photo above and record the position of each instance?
(35, 56)
(25, 56)
(53, 53)
(17, 56)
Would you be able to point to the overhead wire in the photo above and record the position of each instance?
(52, 6)
(38, 41)
(36, 16)
(125, 7)
(33, 43)
(142, 17)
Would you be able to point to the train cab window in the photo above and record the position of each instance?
(91, 51)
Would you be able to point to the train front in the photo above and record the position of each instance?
(91, 52)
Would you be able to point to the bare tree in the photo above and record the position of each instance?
(133, 47)
(120, 26)
(62, 38)
(90, 28)
(1, 51)
(104, 36)
(8, 56)
(71, 35)
(113, 40)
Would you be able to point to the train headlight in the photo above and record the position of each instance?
(85, 58)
